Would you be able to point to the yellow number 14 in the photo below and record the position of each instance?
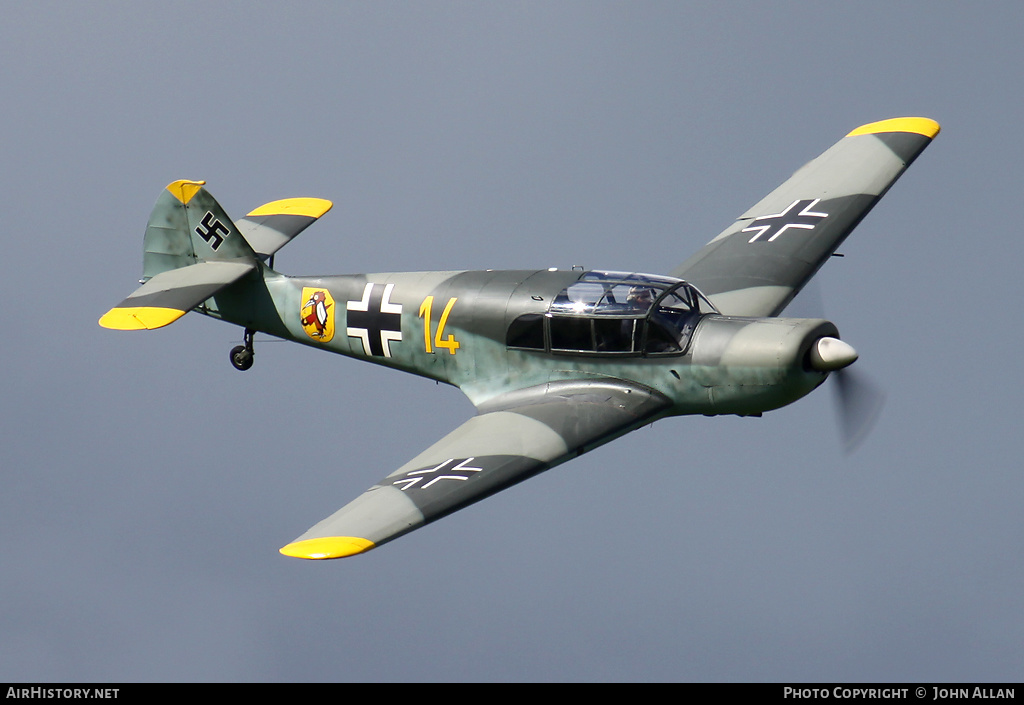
(450, 343)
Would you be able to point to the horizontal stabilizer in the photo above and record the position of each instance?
(170, 295)
(273, 225)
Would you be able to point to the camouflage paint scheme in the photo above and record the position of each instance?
(556, 362)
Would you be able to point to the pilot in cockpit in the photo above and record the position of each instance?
(640, 298)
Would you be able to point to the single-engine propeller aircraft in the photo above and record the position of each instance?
(556, 362)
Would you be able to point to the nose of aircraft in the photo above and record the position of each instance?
(830, 354)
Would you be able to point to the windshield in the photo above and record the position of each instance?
(612, 294)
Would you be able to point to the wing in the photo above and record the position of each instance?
(273, 225)
(757, 265)
(512, 438)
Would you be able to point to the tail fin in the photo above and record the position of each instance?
(192, 250)
(188, 226)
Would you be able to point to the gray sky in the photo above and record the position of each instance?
(147, 485)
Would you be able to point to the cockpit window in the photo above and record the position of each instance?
(580, 299)
(527, 331)
(611, 294)
(617, 313)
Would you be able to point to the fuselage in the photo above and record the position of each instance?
(489, 332)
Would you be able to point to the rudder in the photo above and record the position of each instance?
(188, 226)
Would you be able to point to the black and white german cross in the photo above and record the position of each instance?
(375, 320)
(798, 215)
(424, 479)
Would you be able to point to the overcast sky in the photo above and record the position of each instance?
(147, 485)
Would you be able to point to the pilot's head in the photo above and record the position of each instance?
(641, 296)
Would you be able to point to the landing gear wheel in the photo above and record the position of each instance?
(241, 358)
(242, 355)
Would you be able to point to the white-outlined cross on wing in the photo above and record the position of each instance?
(797, 215)
(411, 481)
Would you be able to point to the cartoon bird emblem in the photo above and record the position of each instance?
(316, 321)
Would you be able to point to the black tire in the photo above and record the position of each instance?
(241, 358)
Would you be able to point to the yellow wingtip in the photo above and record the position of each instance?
(140, 318)
(918, 125)
(310, 207)
(184, 189)
(329, 547)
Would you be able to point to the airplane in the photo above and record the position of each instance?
(556, 362)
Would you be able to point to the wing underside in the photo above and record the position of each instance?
(758, 264)
(512, 438)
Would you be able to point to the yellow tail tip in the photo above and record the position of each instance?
(329, 547)
(918, 125)
(139, 318)
(184, 190)
(309, 207)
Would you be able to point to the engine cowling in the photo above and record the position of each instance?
(751, 365)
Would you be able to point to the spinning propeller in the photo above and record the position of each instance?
(859, 401)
